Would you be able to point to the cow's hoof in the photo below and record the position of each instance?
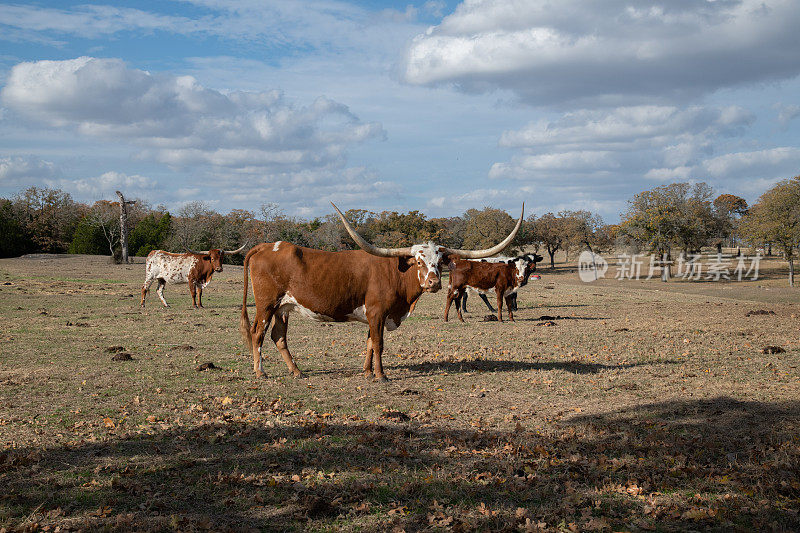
(299, 375)
(382, 379)
(368, 374)
(260, 375)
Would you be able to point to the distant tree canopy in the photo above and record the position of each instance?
(775, 219)
(14, 239)
(678, 216)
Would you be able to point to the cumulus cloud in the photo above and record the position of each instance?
(588, 145)
(606, 53)
(179, 122)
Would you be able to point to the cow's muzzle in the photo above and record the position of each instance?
(432, 284)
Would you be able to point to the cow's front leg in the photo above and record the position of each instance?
(193, 292)
(376, 338)
(510, 307)
(499, 304)
(200, 295)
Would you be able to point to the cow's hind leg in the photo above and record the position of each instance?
(279, 338)
(257, 332)
(200, 295)
(368, 357)
(160, 291)
(145, 289)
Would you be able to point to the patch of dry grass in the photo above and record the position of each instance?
(646, 406)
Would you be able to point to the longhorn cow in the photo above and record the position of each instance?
(375, 286)
(194, 268)
(504, 278)
(512, 304)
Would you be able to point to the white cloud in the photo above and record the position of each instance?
(601, 53)
(105, 185)
(179, 122)
(616, 144)
(782, 160)
(23, 171)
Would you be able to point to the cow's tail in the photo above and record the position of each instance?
(244, 321)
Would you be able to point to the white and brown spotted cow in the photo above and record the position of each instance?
(194, 268)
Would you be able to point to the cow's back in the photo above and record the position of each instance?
(172, 268)
(330, 283)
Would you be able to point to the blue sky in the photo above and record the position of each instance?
(430, 105)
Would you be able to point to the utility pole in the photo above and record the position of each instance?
(123, 225)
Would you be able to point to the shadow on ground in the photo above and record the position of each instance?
(715, 464)
(490, 365)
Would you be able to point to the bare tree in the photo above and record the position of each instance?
(123, 225)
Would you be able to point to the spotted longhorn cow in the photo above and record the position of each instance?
(512, 303)
(194, 268)
(375, 286)
(504, 278)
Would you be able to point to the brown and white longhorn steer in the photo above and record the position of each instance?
(194, 268)
(504, 278)
(376, 286)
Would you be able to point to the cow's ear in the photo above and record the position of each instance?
(510, 262)
(206, 258)
(405, 264)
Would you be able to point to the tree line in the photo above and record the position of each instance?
(665, 220)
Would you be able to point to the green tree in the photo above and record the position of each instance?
(14, 241)
(49, 216)
(485, 228)
(551, 231)
(729, 208)
(150, 234)
(88, 238)
(775, 219)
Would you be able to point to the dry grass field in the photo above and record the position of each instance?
(637, 405)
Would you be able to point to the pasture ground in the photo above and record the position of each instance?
(643, 406)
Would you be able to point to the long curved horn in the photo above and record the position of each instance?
(367, 247)
(236, 251)
(480, 254)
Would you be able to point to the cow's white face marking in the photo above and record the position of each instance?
(522, 270)
(428, 258)
(276, 246)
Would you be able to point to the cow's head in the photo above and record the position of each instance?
(428, 262)
(525, 265)
(428, 258)
(215, 256)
